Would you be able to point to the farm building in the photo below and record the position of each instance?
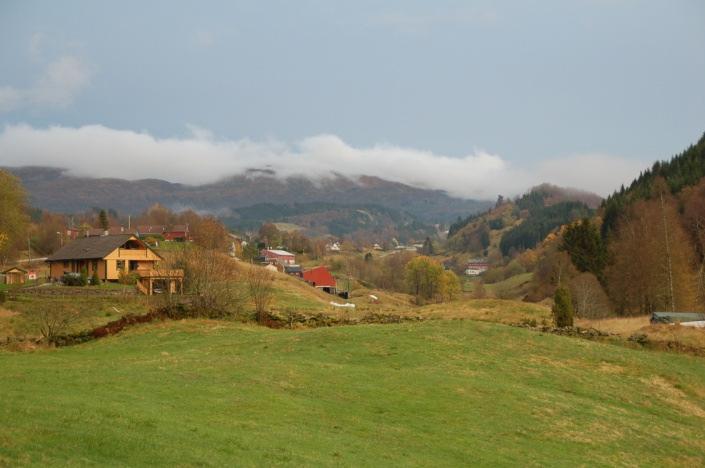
(111, 231)
(320, 277)
(294, 270)
(15, 275)
(113, 256)
(476, 267)
(281, 257)
(687, 319)
(151, 231)
(178, 232)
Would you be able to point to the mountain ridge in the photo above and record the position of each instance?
(53, 189)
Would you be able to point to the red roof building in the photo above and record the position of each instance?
(178, 233)
(282, 257)
(320, 277)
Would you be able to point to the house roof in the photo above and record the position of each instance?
(85, 248)
(179, 228)
(673, 317)
(320, 277)
(156, 229)
(10, 270)
(112, 231)
(279, 252)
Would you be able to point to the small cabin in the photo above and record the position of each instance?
(15, 275)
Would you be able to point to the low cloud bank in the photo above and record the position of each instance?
(98, 151)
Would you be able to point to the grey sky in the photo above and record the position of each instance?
(530, 82)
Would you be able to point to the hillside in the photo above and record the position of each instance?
(319, 219)
(683, 170)
(54, 190)
(520, 224)
(436, 393)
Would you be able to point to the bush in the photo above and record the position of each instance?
(83, 278)
(95, 279)
(562, 308)
(128, 278)
(3, 297)
(71, 279)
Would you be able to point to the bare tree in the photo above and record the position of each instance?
(589, 299)
(56, 320)
(260, 283)
(213, 280)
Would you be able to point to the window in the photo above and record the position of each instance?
(121, 265)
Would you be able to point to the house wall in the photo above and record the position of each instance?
(56, 269)
(113, 273)
(14, 277)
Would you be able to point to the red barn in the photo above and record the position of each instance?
(282, 257)
(178, 233)
(320, 277)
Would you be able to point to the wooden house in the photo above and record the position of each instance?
(111, 256)
(15, 275)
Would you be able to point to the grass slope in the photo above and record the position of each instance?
(434, 393)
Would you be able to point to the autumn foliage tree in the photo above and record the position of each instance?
(652, 258)
(13, 217)
(427, 281)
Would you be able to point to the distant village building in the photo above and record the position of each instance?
(334, 247)
(280, 257)
(148, 230)
(294, 270)
(111, 231)
(476, 267)
(178, 232)
(320, 277)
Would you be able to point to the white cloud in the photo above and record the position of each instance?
(600, 173)
(59, 84)
(98, 151)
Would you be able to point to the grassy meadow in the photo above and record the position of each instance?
(441, 393)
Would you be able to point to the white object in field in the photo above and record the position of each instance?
(347, 304)
(373, 297)
(696, 324)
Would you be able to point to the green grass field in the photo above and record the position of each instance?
(436, 393)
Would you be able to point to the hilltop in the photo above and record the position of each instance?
(54, 190)
(522, 223)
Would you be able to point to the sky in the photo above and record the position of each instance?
(473, 97)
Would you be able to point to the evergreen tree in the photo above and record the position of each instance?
(584, 244)
(562, 308)
(103, 220)
(427, 248)
(83, 279)
(95, 279)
